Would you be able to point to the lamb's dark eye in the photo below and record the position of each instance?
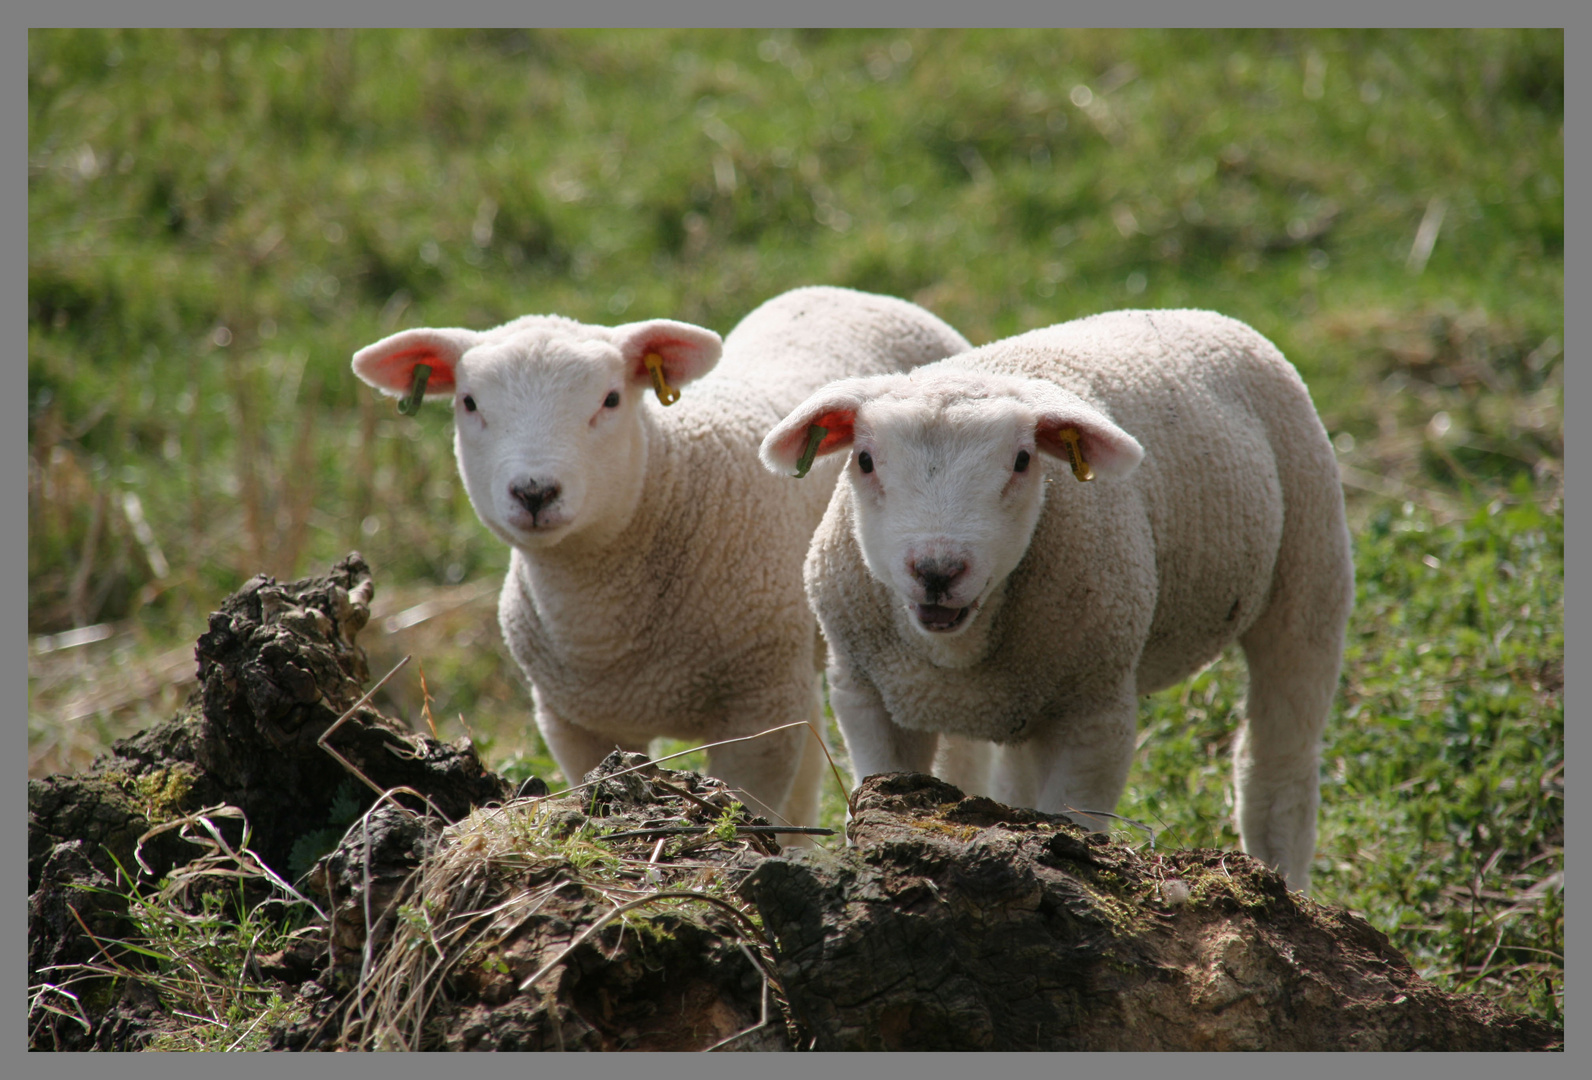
(612, 400)
(1022, 462)
(865, 461)
(469, 403)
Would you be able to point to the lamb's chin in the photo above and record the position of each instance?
(534, 538)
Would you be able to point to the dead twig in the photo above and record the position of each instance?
(322, 743)
(697, 830)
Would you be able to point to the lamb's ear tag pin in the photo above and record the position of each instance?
(1080, 467)
(667, 394)
(417, 391)
(815, 435)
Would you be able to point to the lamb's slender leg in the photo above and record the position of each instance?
(1276, 759)
(1014, 775)
(875, 742)
(1083, 765)
(577, 750)
(806, 790)
(965, 763)
(1294, 652)
(763, 769)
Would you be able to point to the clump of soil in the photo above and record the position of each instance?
(604, 919)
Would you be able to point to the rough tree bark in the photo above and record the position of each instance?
(957, 923)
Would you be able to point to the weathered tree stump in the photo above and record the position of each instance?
(957, 923)
(277, 666)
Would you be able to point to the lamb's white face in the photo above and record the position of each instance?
(947, 493)
(945, 474)
(547, 435)
(549, 426)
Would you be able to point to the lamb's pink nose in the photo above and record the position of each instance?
(937, 576)
(533, 496)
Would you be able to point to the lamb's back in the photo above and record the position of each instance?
(1229, 434)
(806, 338)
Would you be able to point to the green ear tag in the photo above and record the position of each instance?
(815, 435)
(417, 391)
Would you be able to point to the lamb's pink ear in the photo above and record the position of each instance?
(1107, 450)
(833, 408)
(389, 365)
(688, 352)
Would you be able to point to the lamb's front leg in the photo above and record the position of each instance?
(1078, 767)
(965, 762)
(577, 749)
(875, 742)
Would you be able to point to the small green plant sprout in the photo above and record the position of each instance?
(815, 435)
(195, 948)
(410, 405)
(724, 828)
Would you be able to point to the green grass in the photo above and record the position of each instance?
(218, 220)
(198, 950)
(1443, 785)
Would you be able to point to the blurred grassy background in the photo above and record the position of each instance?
(218, 219)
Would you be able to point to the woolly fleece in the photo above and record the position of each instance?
(1231, 528)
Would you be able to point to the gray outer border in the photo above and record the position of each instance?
(916, 1066)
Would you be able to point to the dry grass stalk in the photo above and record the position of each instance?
(251, 450)
(168, 955)
(300, 485)
(382, 795)
(77, 594)
(223, 861)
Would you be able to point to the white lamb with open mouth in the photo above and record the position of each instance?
(1031, 535)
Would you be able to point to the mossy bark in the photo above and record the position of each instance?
(955, 923)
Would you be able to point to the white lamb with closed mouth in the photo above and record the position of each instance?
(655, 584)
(973, 585)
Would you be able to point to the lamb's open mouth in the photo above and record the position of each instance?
(938, 618)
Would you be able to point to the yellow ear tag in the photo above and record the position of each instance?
(667, 394)
(1080, 467)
